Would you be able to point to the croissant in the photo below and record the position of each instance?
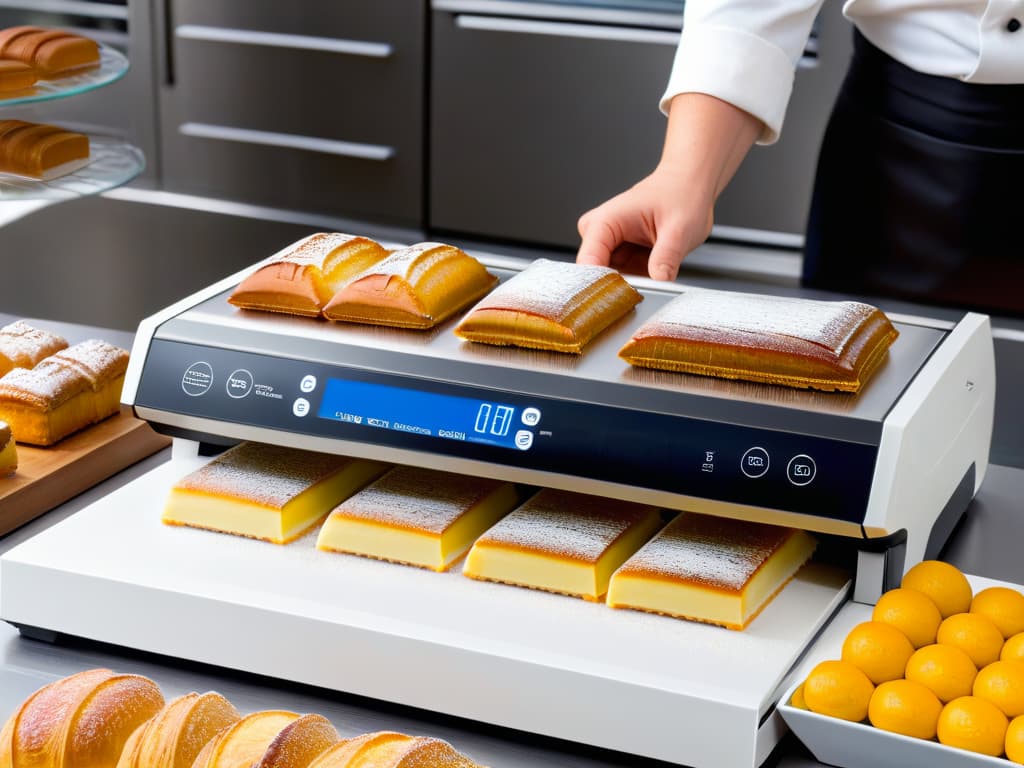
(81, 721)
(174, 736)
(270, 739)
(386, 749)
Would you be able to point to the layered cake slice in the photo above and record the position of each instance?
(417, 516)
(304, 277)
(416, 287)
(827, 345)
(22, 346)
(551, 305)
(8, 450)
(562, 542)
(711, 569)
(266, 492)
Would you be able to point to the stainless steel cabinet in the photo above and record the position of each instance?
(304, 105)
(535, 119)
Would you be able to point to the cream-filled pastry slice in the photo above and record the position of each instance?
(562, 542)
(266, 492)
(417, 516)
(8, 450)
(711, 569)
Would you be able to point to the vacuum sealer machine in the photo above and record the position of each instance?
(887, 472)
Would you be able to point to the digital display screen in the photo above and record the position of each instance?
(424, 413)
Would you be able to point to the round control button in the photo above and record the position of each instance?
(1013, 25)
(198, 379)
(300, 407)
(755, 462)
(239, 383)
(801, 469)
(524, 439)
(531, 417)
(308, 383)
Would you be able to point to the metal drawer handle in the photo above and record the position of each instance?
(566, 29)
(377, 152)
(71, 7)
(275, 40)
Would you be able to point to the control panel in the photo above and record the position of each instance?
(688, 455)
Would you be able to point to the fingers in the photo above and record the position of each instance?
(598, 239)
(667, 254)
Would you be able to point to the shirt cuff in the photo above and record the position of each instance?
(736, 66)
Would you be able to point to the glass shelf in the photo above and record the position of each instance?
(113, 163)
(113, 66)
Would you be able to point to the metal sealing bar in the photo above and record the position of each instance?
(353, 149)
(566, 29)
(278, 40)
(581, 13)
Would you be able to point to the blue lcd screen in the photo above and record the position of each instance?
(421, 413)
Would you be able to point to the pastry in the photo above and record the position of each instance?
(304, 277)
(46, 403)
(416, 287)
(550, 305)
(797, 342)
(174, 736)
(417, 516)
(40, 151)
(52, 52)
(266, 492)
(104, 365)
(271, 739)
(8, 451)
(562, 542)
(16, 76)
(81, 721)
(386, 749)
(22, 346)
(710, 569)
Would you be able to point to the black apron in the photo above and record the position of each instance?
(920, 189)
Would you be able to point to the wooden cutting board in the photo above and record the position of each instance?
(47, 477)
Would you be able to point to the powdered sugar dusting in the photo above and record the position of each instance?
(316, 249)
(48, 385)
(567, 525)
(829, 324)
(710, 551)
(99, 361)
(267, 475)
(546, 288)
(44, 716)
(25, 346)
(427, 752)
(418, 499)
(401, 263)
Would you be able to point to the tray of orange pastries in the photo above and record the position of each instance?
(931, 676)
(100, 718)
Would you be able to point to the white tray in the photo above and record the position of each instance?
(857, 745)
(644, 684)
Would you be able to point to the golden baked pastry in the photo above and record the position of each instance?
(174, 736)
(46, 403)
(271, 739)
(711, 569)
(104, 365)
(40, 151)
(52, 52)
(83, 721)
(550, 305)
(302, 279)
(417, 516)
(416, 287)
(562, 542)
(797, 342)
(266, 492)
(16, 76)
(8, 450)
(22, 346)
(386, 749)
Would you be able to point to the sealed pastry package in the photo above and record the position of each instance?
(777, 340)
(39, 151)
(415, 287)
(303, 278)
(551, 305)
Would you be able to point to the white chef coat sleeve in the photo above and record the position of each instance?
(744, 52)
